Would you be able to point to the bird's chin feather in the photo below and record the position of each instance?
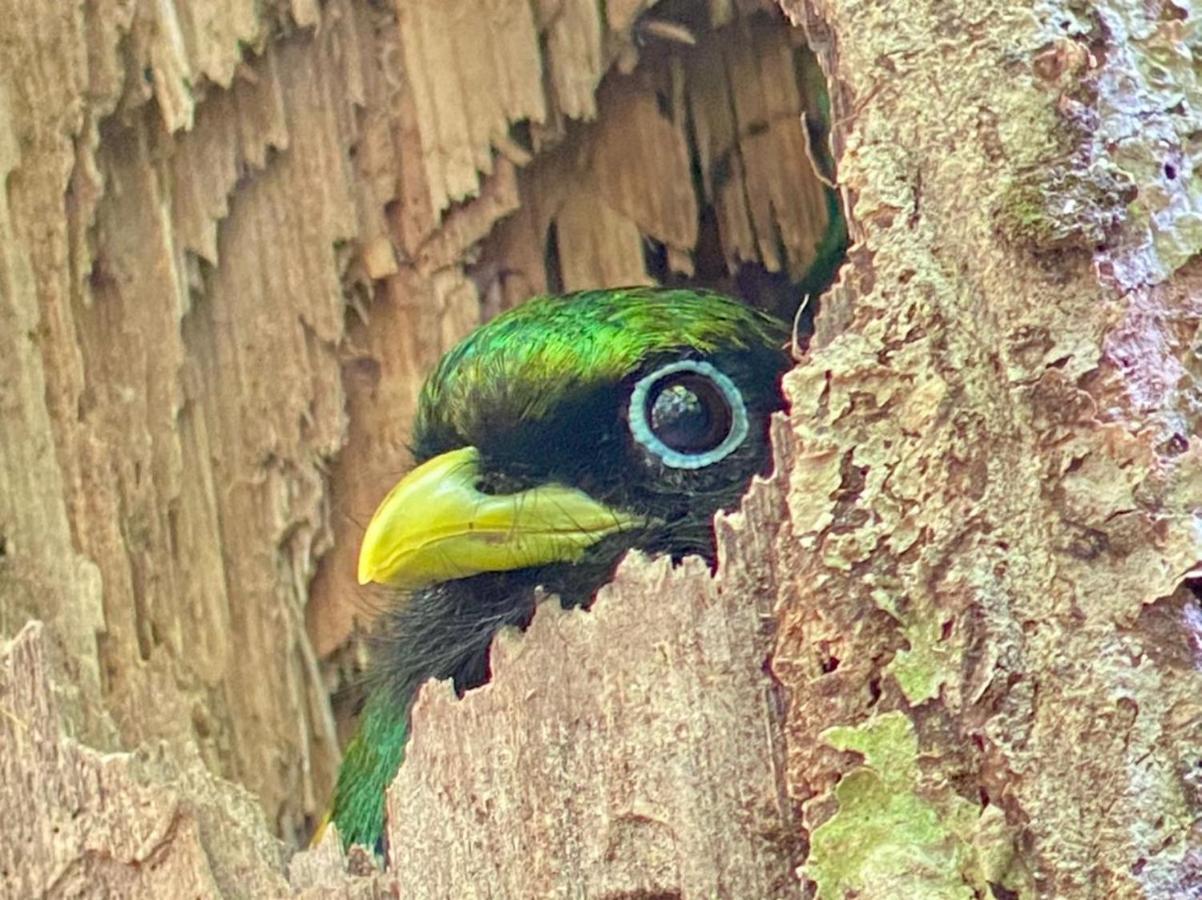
(444, 631)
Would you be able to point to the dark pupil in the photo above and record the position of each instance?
(689, 413)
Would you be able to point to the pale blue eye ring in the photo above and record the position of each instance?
(694, 403)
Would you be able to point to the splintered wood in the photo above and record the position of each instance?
(474, 70)
(729, 106)
(750, 149)
(234, 237)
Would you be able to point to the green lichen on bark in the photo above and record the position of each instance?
(999, 429)
(929, 661)
(896, 834)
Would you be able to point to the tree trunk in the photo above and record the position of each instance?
(951, 650)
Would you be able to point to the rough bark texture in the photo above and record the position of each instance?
(998, 477)
(968, 576)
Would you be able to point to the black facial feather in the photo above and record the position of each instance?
(444, 631)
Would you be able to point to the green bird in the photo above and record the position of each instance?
(549, 442)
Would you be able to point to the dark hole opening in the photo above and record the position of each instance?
(551, 262)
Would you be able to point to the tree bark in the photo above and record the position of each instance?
(951, 649)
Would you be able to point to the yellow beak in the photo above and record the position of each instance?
(436, 525)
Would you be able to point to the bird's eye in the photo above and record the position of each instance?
(688, 414)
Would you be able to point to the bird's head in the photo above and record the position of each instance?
(571, 429)
(549, 442)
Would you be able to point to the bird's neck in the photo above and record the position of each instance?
(368, 767)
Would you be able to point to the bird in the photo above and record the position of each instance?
(549, 442)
